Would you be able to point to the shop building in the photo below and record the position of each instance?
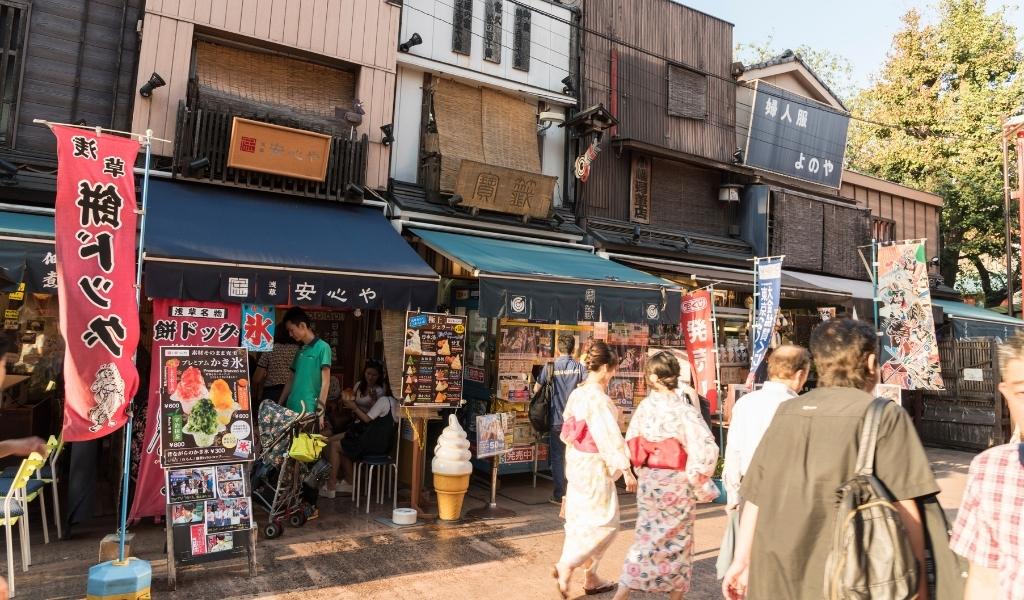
(482, 185)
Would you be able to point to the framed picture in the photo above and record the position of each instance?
(190, 485)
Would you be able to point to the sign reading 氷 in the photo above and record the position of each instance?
(796, 136)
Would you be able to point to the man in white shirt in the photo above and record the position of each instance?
(788, 367)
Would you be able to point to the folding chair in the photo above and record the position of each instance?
(43, 477)
(12, 513)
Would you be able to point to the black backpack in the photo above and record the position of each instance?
(871, 557)
(540, 405)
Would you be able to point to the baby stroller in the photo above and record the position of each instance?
(277, 477)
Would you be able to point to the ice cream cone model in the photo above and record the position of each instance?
(451, 467)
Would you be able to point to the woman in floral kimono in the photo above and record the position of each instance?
(675, 454)
(595, 458)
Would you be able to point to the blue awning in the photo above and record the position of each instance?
(26, 253)
(551, 283)
(214, 243)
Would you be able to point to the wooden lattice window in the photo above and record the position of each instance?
(462, 27)
(521, 41)
(687, 93)
(492, 31)
(883, 230)
(13, 26)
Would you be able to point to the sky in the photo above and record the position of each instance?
(861, 30)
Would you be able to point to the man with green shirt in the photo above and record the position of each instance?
(306, 390)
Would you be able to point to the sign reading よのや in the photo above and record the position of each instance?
(434, 358)
(795, 136)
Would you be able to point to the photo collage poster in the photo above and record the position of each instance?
(212, 504)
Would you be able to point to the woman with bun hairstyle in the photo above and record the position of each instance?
(675, 456)
(596, 456)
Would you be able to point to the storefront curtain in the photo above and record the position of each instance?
(478, 122)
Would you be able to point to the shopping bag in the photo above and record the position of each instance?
(306, 447)
(725, 554)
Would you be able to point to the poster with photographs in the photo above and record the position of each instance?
(228, 515)
(221, 542)
(494, 434)
(630, 342)
(525, 342)
(231, 489)
(188, 513)
(205, 414)
(190, 485)
(433, 359)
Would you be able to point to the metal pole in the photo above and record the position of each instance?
(718, 374)
(1006, 211)
(874, 283)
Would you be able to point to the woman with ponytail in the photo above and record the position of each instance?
(675, 454)
(595, 458)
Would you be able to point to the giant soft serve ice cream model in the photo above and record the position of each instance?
(451, 467)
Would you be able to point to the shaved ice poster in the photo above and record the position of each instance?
(205, 411)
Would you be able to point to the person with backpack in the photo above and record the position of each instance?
(563, 375)
(819, 514)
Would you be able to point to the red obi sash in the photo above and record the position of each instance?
(578, 434)
(666, 454)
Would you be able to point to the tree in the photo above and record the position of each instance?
(834, 70)
(935, 114)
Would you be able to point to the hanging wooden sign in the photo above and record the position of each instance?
(504, 190)
(640, 190)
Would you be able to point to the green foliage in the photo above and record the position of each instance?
(941, 98)
(833, 69)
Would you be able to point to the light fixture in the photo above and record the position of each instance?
(353, 193)
(568, 88)
(415, 40)
(81, 122)
(729, 192)
(455, 200)
(636, 234)
(197, 164)
(737, 157)
(558, 219)
(7, 168)
(155, 81)
(389, 134)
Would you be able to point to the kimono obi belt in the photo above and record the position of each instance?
(666, 454)
(578, 434)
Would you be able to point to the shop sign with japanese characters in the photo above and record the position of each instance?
(769, 282)
(505, 190)
(95, 225)
(640, 190)
(278, 150)
(205, 414)
(258, 327)
(434, 356)
(699, 331)
(796, 136)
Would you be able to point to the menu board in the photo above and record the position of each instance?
(433, 359)
(205, 415)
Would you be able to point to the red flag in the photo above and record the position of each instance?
(176, 323)
(1020, 201)
(95, 241)
(698, 331)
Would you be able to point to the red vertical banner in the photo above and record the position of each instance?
(95, 223)
(1020, 201)
(698, 330)
(175, 323)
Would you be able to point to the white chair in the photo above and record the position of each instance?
(12, 512)
(45, 476)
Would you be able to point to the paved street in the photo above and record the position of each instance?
(346, 554)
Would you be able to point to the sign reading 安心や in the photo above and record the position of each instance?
(278, 150)
(796, 136)
(504, 190)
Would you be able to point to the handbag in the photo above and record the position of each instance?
(946, 570)
(306, 447)
(540, 405)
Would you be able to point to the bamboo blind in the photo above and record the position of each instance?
(271, 79)
(483, 124)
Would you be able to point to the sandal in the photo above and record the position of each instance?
(601, 589)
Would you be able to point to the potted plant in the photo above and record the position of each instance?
(717, 478)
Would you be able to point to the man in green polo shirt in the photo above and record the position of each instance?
(306, 390)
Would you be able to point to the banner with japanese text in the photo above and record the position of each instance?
(698, 328)
(910, 352)
(769, 282)
(258, 327)
(175, 323)
(95, 239)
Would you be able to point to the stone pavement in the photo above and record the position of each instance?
(349, 555)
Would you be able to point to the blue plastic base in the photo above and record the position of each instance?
(112, 581)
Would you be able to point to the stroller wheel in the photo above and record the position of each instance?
(273, 530)
(297, 519)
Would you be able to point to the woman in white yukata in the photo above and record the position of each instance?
(596, 456)
(675, 455)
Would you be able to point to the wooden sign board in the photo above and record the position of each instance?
(505, 190)
(285, 151)
(640, 190)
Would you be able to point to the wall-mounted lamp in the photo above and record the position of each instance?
(636, 234)
(454, 200)
(155, 81)
(729, 192)
(737, 157)
(197, 164)
(389, 134)
(568, 89)
(354, 194)
(415, 40)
